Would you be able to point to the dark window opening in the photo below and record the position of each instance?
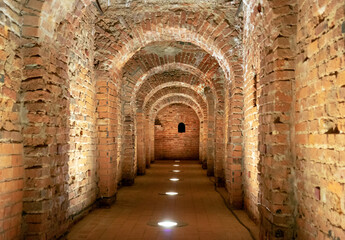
(157, 122)
(181, 128)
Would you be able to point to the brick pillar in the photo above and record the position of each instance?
(210, 133)
(129, 147)
(141, 161)
(37, 113)
(235, 155)
(201, 141)
(277, 202)
(11, 141)
(151, 140)
(147, 145)
(220, 148)
(204, 143)
(107, 138)
(46, 135)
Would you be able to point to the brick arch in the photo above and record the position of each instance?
(149, 71)
(177, 34)
(152, 60)
(213, 38)
(158, 86)
(155, 111)
(159, 53)
(173, 78)
(214, 158)
(172, 66)
(172, 35)
(144, 35)
(41, 18)
(198, 90)
(129, 115)
(137, 162)
(147, 37)
(170, 91)
(216, 39)
(174, 97)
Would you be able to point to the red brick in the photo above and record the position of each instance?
(35, 4)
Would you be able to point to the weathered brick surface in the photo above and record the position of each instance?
(233, 163)
(253, 48)
(319, 120)
(11, 140)
(82, 120)
(269, 75)
(169, 143)
(60, 98)
(109, 120)
(59, 123)
(294, 74)
(80, 93)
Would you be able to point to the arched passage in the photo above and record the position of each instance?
(71, 75)
(138, 74)
(84, 120)
(150, 117)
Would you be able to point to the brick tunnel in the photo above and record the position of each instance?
(94, 92)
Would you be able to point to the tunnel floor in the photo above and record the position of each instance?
(198, 208)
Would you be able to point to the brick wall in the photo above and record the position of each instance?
(295, 73)
(320, 120)
(252, 95)
(269, 40)
(234, 138)
(82, 189)
(109, 120)
(255, 39)
(59, 121)
(68, 131)
(169, 143)
(11, 141)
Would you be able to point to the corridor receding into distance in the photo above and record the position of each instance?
(99, 97)
(198, 208)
